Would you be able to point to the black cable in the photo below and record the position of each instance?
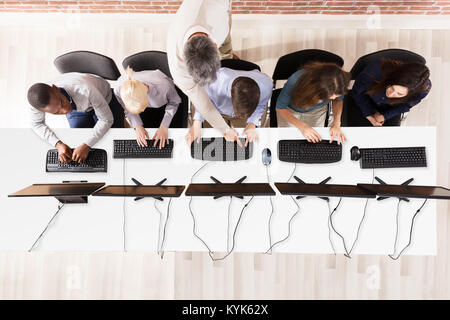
(332, 226)
(159, 228)
(42, 233)
(290, 220)
(410, 232)
(228, 224)
(164, 230)
(363, 217)
(289, 227)
(396, 227)
(329, 236)
(271, 212)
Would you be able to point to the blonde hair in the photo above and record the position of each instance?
(134, 93)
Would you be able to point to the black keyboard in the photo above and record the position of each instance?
(218, 149)
(302, 151)
(393, 157)
(129, 149)
(95, 162)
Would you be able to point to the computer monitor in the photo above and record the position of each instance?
(323, 190)
(140, 191)
(400, 191)
(229, 189)
(67, 192)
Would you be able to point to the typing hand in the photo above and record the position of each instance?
(194, 133)
(161, 135)
(141, 136)
(373, 121)
(310, 134)
(250, 132)
(336, 132)
(232, 135)
(64, 152)
(80, 154)
(379, 117)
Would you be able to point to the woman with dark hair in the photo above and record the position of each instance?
(304, 99)
(385, 89)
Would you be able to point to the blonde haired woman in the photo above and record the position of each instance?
(150, 100)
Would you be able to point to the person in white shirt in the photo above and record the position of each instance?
(241, 97)
(87, 101)
(199, 28)
(150, 100)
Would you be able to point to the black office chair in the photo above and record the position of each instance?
(88, 62)
(289, 64)
(157, 60)
(237, 64)
(350, 106)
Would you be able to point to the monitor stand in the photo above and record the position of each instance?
(321, 182)
(407, 182)
(219, 182)
(140, 184)
(72, 199)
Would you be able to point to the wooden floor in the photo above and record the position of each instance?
(27, 53)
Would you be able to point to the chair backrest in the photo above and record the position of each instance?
(290, 63)
(237, 64)
(148, 60)
(157, 60)
(395, 54)
(88, 62)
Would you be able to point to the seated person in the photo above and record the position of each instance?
(385, 89)
(304, 100)
(150, 100)
(86, 100)
(241, 98)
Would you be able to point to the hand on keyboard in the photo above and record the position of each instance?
(310, 134)
(194, 133)
(232, 135)
(161, 135)
(250, 132)
(80, 154)
(142, 136)
(336, 132)
(64, 152)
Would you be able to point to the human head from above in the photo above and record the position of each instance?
(134, 93)
(48, 99)
(320, 82)
(202, 58)
(401, 80)
(245, 94)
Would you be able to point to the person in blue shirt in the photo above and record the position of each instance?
(306, 96)
(386, 89)
(241, 97)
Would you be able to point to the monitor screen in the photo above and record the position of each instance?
(230, 189)
(323, 190)
(140, 191)
(58, 189)
(424, 192)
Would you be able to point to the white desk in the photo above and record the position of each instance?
(98, 224)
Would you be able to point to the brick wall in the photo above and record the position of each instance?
(239, 6)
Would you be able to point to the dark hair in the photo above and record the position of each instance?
(245, 95)
(39, 95)
(202, 59)
(412, 75)
(319, 82)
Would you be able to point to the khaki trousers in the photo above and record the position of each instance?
(226, 49)
(314, 118)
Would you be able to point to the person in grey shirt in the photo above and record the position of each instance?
(150, 100)
(86, 100)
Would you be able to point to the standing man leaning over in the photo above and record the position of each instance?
(200, 27)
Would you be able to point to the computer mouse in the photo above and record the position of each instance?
(355, 154)
(266, 157)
